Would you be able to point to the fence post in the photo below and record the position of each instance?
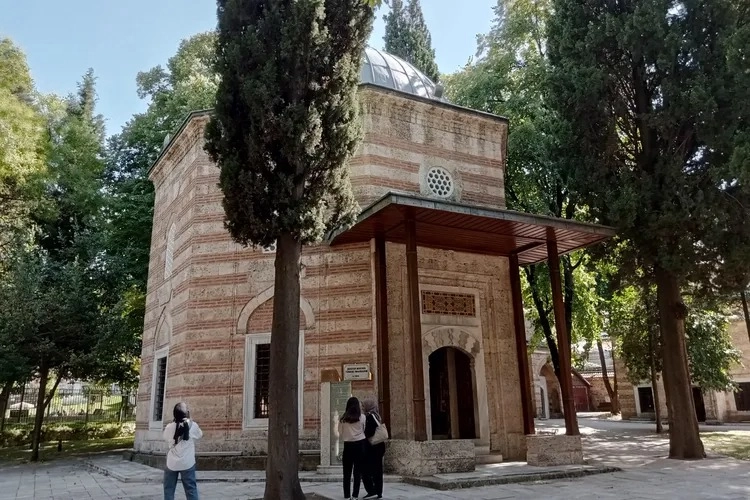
(88, 402)
(20, 405)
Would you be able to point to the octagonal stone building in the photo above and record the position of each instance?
(433, 242)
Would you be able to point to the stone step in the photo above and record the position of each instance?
(483, 456)
(489, 459)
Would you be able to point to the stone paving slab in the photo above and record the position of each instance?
(645, 474)
(718, 478)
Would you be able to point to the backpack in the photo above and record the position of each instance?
(381, 432)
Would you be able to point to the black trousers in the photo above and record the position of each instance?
(374, 468)
(354, 458)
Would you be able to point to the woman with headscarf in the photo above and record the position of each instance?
(373, 452)
(352, 430)
(181, 435)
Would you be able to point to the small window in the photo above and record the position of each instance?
(257, 379)
(440, 182)
(160, 381)
(742, 396)
(169, 257)
(262, 379)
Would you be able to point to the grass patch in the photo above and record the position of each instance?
(21, 454)
(735, 444)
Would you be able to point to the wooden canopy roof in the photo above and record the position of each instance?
(463, 228)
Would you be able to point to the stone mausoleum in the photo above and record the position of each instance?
(423, 291)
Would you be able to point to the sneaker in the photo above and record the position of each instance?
(370, 495)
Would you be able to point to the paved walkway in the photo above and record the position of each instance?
(645, 474)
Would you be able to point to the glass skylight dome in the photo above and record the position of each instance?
(389, 71)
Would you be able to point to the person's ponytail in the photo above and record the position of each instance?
(182, 427)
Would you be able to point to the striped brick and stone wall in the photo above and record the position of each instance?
(405, 137)
(219, 292)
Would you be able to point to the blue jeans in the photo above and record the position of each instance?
(188, 482)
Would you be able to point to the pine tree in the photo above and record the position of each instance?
(396, 25)
(656, 96)
(407, 36)
(285, 123)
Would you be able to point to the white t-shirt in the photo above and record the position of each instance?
(181, 456)
(353, 431)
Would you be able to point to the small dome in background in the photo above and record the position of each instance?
(389, 71)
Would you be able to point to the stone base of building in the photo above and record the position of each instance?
(308, 461)
(549, 450)
(425, 458)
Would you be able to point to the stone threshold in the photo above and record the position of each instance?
(445, 482)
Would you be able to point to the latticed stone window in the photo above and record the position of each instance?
(262, 380)
(448, 303)
(160, 382)
(440, 182)
(257, 379)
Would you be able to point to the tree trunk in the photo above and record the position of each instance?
(743, 296)
(612, 392)
(568, 296)
(36, 433)
(282, 469)
(684, 438)
(655, 390)
(543, 318)
(654, 382)
(4, 395)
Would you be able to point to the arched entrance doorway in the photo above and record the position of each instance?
(452, 395)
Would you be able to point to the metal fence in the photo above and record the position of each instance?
(79, 404)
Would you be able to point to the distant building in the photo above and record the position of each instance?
(637, 400)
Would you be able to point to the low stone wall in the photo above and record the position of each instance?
(557, 449)
(307, 461)
(425, 458)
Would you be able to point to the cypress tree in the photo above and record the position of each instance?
(285, 123)
(407, 36)
(656, 99)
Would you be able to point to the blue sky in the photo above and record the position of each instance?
(62, 39)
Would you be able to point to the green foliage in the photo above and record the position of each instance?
(188, 82)
(285, 123)
(508, 79)
(20, 314)
(22, 144)
(710, 349)
(656, 96)
(19, 435)
(633, 320)
(286, 119)
(407, 36)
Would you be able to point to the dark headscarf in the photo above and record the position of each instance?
(353, 411)
(182, 429)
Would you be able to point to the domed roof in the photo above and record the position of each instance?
(386, 70)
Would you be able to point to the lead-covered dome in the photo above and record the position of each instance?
(386, 70)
